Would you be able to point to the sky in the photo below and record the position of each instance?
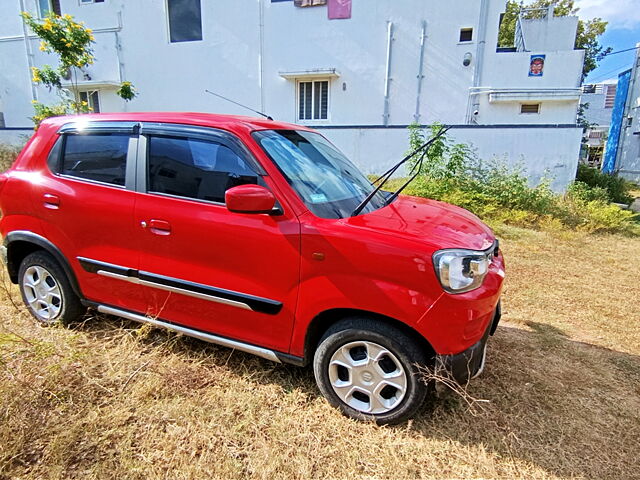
(622, 32)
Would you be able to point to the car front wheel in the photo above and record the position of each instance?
(370, 371)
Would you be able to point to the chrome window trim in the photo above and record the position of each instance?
(95, 182)
(210, 134)
(80, 127)
(190, 199)
(168, 288)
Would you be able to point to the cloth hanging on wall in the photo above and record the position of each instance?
(339, 9)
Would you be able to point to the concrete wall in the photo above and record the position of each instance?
(562, 112)
(628, 160)
(556, 33)
(15, 77)
(247, 44)
(536, 150)
(596, 113)
(15, 136)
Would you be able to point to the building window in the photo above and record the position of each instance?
(530, 108)
(313, 100)
(48, 6)
(93, 100)
(309, 3)
(83, 2)
(610, 96)
(185, 20)
(466, 34)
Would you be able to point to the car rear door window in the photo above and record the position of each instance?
(195, 168)
(98, 157)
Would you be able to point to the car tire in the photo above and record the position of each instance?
(46, 290)
(370, 371)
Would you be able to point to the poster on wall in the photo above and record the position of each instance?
(309, 3)
(536, 66)
(339, 9)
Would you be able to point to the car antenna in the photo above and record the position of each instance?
(239, 104)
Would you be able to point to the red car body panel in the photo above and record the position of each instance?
(209, 245)
(379, 262)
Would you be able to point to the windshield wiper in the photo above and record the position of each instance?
(422, 150)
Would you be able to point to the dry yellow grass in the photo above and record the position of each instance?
(111, 399)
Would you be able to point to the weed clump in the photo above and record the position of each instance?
(500, 194)
(8, 153)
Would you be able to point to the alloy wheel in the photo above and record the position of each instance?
(42, 292)
(367, 377)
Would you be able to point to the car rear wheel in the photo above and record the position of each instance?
(46, 290)
(369, 370)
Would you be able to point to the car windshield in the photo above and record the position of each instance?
(328, 183)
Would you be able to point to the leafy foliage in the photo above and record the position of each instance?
(65, 107)
(617, 188)
(587, 33)
(8, 153)
(580, 191)
(507, 32)
(127, 91)
(72, 42)
(502, 194)
(444, 159)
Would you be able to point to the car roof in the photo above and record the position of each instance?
(233, 123)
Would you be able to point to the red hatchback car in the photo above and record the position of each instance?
(241, 232)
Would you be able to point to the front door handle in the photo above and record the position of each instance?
(51, 201)
(159, 227)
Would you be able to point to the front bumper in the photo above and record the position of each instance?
(466, 365)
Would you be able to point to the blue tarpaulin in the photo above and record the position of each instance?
(609, 164)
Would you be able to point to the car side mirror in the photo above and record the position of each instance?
(250, 199)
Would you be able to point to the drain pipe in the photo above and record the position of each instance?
(29, 50)
(423, 36)
(482, 40)
(261, 55)
(118, 43)
(387, 78)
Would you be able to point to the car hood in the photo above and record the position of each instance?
(428, 221)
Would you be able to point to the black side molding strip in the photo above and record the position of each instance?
(93, 266)
(257, 304)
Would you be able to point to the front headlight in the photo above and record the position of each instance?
(461, 270)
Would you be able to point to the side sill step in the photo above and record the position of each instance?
(207, 337)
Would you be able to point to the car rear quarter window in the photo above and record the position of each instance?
(97, 157)
(195, 168)
(53, 160)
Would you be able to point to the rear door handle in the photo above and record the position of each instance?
(51, 201)
(159, 227)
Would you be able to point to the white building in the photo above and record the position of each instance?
(360, 80)
(623, 148)
(598, 100)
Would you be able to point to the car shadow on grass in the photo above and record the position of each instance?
(567, 407)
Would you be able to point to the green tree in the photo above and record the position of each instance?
(444, 158)
(587, 33)
(72, 43)
(507, 32)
